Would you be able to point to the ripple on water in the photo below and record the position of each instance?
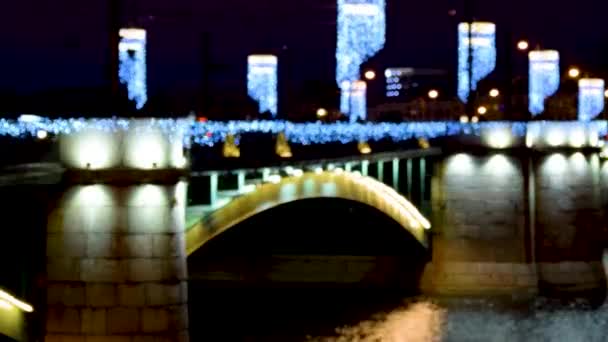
(426, 321)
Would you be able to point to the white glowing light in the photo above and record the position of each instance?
(464, 119)
(15, 302)
(482, 41)
(494, 93)
(370, 75)
(132, 64)
(361, 34)
(574, 72)
(482, 110)
(590, 98)
(475, 119)
(577, 138)
(556, 138)
(42, 134)
(522, 45)
(498, 137)
(433, 94)
(262, 82)
(544, 78)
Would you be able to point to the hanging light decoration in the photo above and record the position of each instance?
(132, 64)
(481, 39)
(361, 34)
(590, 98)
(282, 147)
(262, 82)
(544, 78)
(231, 148)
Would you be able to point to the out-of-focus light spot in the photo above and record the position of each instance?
(433, 94)
(500, 138)
(555, 164)
(475, 119)
(574, 73)
(42, 134)
(577, 139)
(275, 179)
(522, 45)
(556, 138)
(578, 162)
(482, 110)
(494, 93)
(464, 119)
(321, 113)
(460, 164)
(370, 75)
(499, 165)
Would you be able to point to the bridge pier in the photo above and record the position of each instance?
(116, 264)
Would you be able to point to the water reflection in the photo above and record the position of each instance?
(426, 321)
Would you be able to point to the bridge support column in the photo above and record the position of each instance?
(395, 173)
(365, 167)
(380, 170)
(116, 264)
(348, 167)
(409, 168)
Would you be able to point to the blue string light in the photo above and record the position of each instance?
(590, 98)
(212, 132)
(132, 64)
(262, 82)
(361, 34)
(483, 42)
(544, 78)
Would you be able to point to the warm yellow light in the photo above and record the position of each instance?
(523, 45)
(262, 59)
(321, 112)
(494, 92)
(370, 75)
(574, 72)
(364, 148)
(482, 110)
(132, 33)
(464, 119)
(15, 302)
(475, 119)
(433, 94)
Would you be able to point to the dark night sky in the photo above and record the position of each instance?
(52, 44)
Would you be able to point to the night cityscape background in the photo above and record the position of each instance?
(197, 50)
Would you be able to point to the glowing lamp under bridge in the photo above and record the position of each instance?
(141, 144)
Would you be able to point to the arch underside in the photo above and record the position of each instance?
(342, 185)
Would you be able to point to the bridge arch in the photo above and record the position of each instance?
(341, 185)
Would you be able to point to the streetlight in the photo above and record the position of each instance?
(464, 119)
(475, 119)
(494, 92)
(482, 110)
(606, 93)
(523, 45)
(574, 72)
(433, 94)
(370, 75)
(321, 113)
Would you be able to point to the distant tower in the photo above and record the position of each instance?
(132, 64)
(544, 78)
(481, 40)
(361, 34)
(590, 98)
(262, 82)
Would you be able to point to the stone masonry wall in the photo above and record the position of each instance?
(116, 265)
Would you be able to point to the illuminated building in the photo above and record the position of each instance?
(482, 42)
(590, 98)
(361, 34)
(262, 82)
(132, 64)
(544, 78)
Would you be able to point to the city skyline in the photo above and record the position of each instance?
(45, 55)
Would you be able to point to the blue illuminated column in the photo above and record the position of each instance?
(132, 64)
(544, 78)
(483, 41)
(590, 98)
(262, 82)
(361, 34)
